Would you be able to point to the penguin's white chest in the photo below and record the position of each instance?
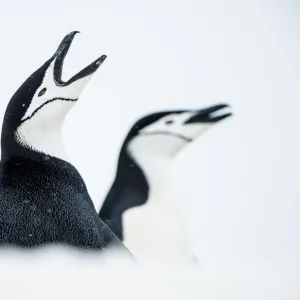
(156, 231)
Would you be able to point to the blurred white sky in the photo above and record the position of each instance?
(240, 181)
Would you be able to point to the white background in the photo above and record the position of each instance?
(240, 180)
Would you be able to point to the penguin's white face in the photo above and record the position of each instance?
(49, 92)
(167, 135)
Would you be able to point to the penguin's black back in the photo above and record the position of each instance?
(45, 200)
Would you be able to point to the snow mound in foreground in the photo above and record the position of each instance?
(62, 274)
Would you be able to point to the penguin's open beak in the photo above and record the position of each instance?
(209, 115)
(60, 55)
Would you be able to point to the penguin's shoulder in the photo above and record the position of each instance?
(27, 172)
(45, 185)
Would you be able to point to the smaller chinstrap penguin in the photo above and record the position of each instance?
(141, 207)
(43, 198)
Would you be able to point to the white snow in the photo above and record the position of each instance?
(60, 274)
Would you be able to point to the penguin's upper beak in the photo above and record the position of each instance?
(60, 55)
(209, 115)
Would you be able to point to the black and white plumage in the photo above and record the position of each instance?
(141, 207)
(43, 198)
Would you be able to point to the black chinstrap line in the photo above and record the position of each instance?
(51, 100)
(177, 135)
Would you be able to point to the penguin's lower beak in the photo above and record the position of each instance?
(209, 115)
(60, 55)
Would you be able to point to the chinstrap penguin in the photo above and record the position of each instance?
(43, 198)
(141, 206)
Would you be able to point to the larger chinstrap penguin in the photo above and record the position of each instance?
(141, 207)
(43, 198)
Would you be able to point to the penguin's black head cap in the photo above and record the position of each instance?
(44, 99)
(164, 133)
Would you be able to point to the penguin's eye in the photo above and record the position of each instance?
(42, 92)
(168, 122)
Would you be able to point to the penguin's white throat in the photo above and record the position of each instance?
(158, 170)
(161, 145)
(43, 132)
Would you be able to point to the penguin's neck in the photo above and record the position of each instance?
(42, 137)
(159, 174)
